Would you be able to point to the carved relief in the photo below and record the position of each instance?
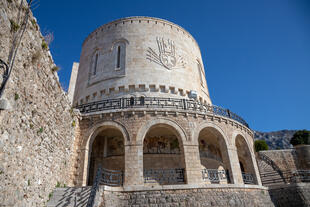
(167, 56)
(115, 146)
(209, 151)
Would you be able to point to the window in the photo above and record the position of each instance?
(119, 54)
(199, 68)
(118, 61)
(95, 66)
(94, 63)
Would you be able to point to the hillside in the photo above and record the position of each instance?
(277, 139)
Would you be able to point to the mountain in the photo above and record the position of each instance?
(277, 139)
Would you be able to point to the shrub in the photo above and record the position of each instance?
(58, 184)
(301, 137)
(73, 123)
(14, 26)
(260, 145)
(44, 45)
(40, 130)
(34, 24)
(50, 195)
(16, 97)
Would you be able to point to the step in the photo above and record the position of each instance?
(69, 197)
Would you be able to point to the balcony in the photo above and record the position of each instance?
(158, 103)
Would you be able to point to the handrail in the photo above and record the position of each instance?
(158, 102)
(95, 188)
(104, 177)
(272, 164)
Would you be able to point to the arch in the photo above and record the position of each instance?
(163, 152)
(116, 42)
(170, 123)
(246, 159)
(234, 136)
(90, 137)
(94, 62)
(196, 132)
(213, 150)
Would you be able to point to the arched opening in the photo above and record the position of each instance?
(245, 161)
(107, 151)
(213, 156)
(163, 156)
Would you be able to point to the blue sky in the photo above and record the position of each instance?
(256, 53)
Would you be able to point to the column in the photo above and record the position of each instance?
(193, 169)
(133, 165)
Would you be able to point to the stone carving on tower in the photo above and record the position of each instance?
(167, 56)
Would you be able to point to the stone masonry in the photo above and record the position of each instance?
(37, 133)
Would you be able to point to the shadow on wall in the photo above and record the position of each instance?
(63, 197)
(291, 195)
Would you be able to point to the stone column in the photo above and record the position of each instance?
(133, 165)
(257, 175)
(235, 170)
(192, 165)
(83, 167)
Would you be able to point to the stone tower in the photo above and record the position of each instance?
(137, 57)
(146, 115)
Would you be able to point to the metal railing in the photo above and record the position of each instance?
(272, 164)
(111, 177)
(299, 176)
(248, 178)
(164, 176)
(104, 177)
(157, 102)
(95, 188)
(214, 175)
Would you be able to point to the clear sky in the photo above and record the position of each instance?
(256, 53)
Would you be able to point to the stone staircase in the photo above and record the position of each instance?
(269, 176)
(69, 197)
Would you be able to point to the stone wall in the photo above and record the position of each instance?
(284, 159)
(37, 133)
(220, 197)
(291, 195)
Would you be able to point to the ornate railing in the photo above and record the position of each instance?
(164, 176)
(300, 176)
(157, 102)
(248, 178)
(214, 175)
(111, 177)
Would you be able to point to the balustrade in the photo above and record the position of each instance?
(157, 102)
(164, 176)
(214, 175)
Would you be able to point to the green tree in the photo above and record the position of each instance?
(260, 145)
(301, 137)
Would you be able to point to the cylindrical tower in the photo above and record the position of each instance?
(140, 56)
(146, 115)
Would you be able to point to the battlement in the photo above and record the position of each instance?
(141, 19)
